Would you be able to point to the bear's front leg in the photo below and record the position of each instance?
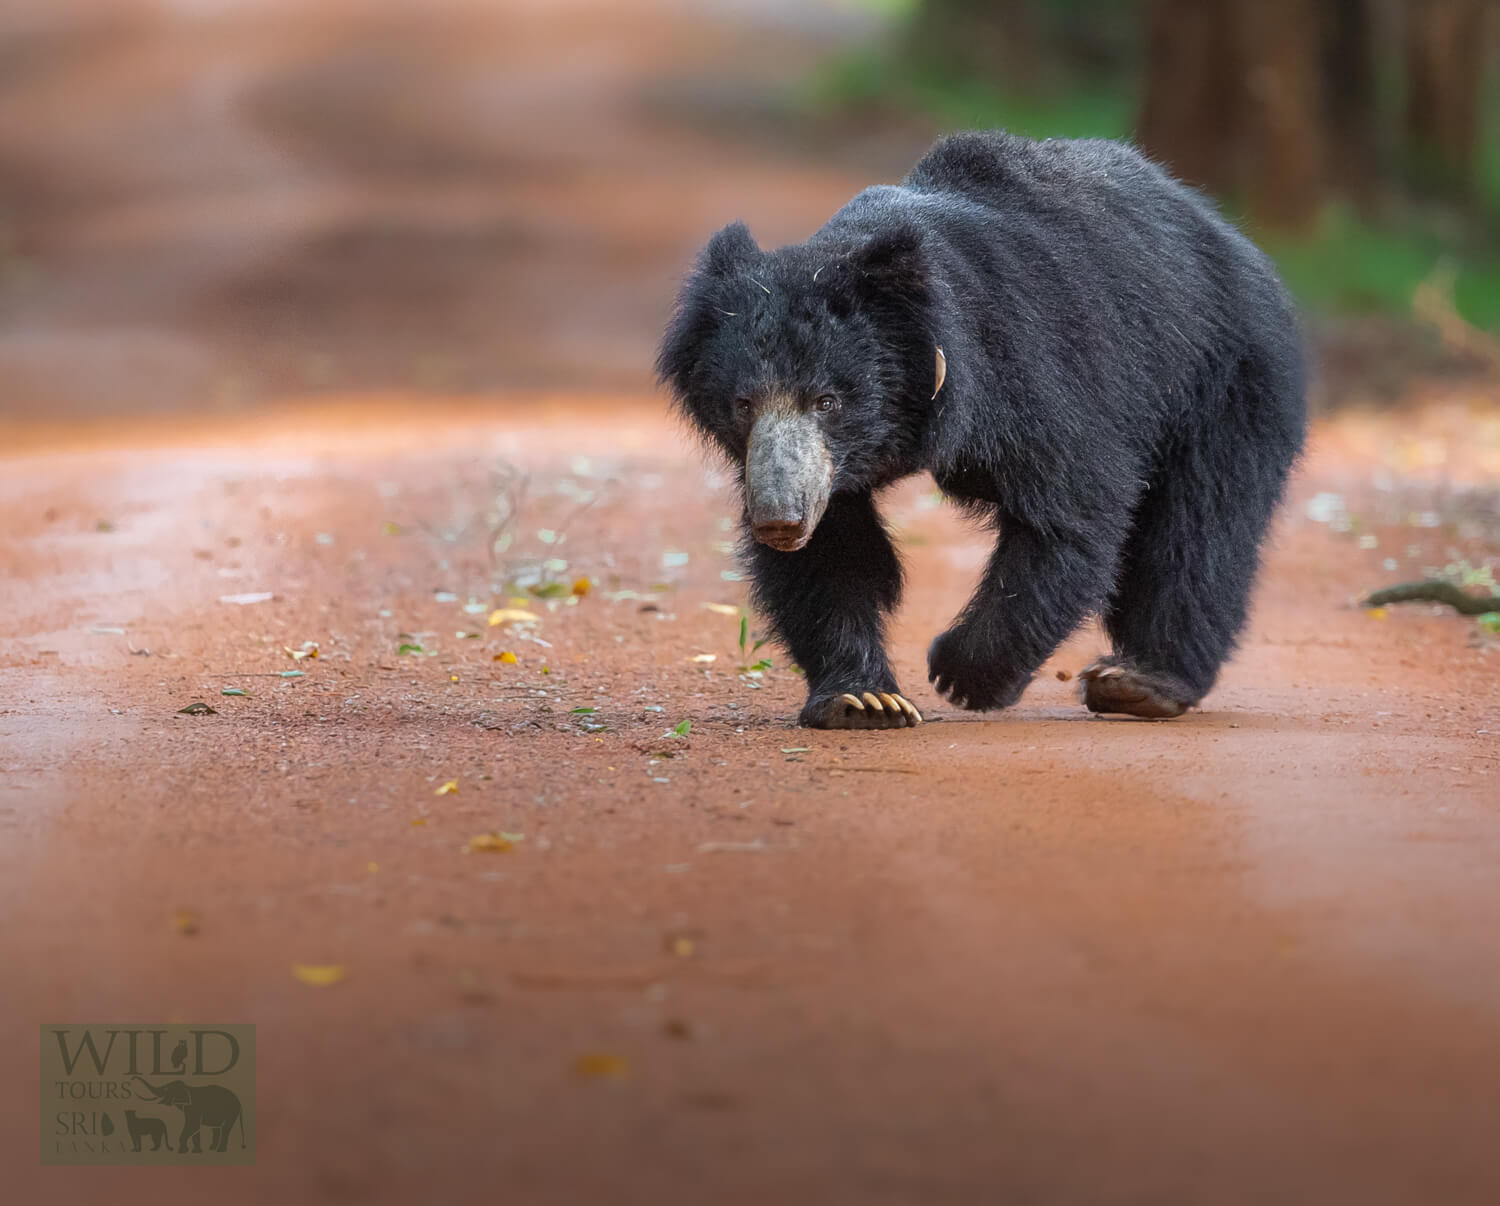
(827, 603)
(1035, 591)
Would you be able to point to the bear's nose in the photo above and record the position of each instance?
(786, 535)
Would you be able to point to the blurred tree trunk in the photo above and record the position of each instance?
(1285, 123)
(1190, 113)
(1445, 45)
(1235, 101)
(1349, 97)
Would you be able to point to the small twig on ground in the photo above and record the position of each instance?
(879, 770)
(1433, 591)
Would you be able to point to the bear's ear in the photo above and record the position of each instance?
(698, 312)
(729, 250)
(892, 259)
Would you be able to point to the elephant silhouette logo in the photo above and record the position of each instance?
(212, 1106)
(146, 1094)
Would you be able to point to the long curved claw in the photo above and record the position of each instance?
(866, 710)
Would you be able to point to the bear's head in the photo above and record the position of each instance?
(810, 367)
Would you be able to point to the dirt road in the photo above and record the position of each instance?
(1244, 957)
(1247, 956)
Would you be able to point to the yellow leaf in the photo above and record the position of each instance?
(509, 658)
(447, 789)
(511, 615)
(581, 586)
(420, 821)
(1376, 613)
(323, 975)
(372, 867)
(596, 1066)
(489, 843)
(724, 609)
(185, 921)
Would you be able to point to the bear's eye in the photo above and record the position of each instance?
(742, 406)
(826, 402)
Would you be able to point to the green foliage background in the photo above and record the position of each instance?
(1349, 265)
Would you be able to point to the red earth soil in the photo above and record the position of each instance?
(1242, 957)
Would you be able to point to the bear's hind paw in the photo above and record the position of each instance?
(1110, 686)
(869, 710)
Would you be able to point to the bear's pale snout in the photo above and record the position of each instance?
(788, 477)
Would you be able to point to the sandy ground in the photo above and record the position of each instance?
(1246, 956)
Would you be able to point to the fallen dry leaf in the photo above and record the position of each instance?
(447, 789)
(471, 990)
(185, 921)
(724, 609)
(601, 1067)
(704, 659)
(489, 843)
(512, 615)
(509, 658)
(320, 975)
(420, 821)
(582, 586)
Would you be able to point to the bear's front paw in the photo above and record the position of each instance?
(862, 710)
(962, 668)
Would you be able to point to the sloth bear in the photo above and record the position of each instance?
(1080, 350)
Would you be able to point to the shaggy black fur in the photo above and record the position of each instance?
(1124, 400)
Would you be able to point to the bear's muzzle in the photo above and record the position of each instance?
(788, 477)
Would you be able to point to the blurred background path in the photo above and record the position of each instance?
(207, 203)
